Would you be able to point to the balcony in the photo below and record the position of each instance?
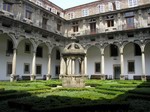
(129, 27)
(105, 30)
(6, 13)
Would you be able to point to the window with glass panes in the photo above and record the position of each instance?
(97, 67)
(28, 13)
(75, 26)
(129, 19)
(26, 68)
(85, 12)
(110, 21)
(7, 7)
(131, 67)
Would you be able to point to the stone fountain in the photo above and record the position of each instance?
(73, 56)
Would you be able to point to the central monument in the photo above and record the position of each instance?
(74, 76)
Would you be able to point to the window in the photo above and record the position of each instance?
(44, 23)
(130, 35)
(110, 21)
(117, 4)
(97, 67)
(129, 19)
(113, 50)
(75, 26)
(132, 3)
(27, 68)
(39, 69)
(110, 6)
(48, 8)
(85, 12)
(28, 13)
(57, 55)
(9, 68)
(54, 10)
(7, 7)
(71, 15)
(59, 25)
(131, 67)
(39, 52)
(113, 5)
(39, 3)
(92, 39)
(58, 13)
(27, 48)
(101, 8)
(93, 27)
(130, 22)
(110, 37)
(9, 47)
(57, 70)
(137, 50)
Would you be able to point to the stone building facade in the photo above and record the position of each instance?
(114, 34)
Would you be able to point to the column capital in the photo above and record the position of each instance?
(15, 48)
(121, 50)
(33, 51)
(102, 51)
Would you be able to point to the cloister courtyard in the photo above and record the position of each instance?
(97, 96)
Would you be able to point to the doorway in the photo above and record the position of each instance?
(117, 71)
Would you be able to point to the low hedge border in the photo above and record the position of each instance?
(71, 108)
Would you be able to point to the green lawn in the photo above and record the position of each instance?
(43, 96)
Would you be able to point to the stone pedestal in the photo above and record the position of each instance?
(103, 77)
(32, 77)
(143, 78)
(48, 77)
(122, 77)
(73, 81)
(13, 78)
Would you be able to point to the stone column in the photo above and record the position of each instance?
(48, 76)
(122, 77)
(73, 66)
(143, 67)
(82, 66)
(143, 63)
(103, 62)
(13, 75)
(32, 78)
(103, 76)
(85, 65)
(66, 67)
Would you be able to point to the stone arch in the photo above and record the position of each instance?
(13, 39)
(132, 54)
(147, 57)
(25, 49)
(125, 44)
(55, 61)
(6, 54)
(93, 60)
(42, 57)
(112, 60)
(89, 46)
(114, 44)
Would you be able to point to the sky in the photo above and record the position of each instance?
(70, 3)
